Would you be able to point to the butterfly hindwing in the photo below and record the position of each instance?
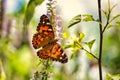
(53, 51)
(58, 54)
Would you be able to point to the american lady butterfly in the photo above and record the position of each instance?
(45, 38)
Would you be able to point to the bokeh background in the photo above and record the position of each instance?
(18, 59)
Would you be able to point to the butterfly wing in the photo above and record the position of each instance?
(40, 39)
(44, 33)
(53, 51)
(58, 54)
(45, 26)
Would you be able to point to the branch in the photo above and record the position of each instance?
(101, 40)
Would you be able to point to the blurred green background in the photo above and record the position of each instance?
(18, 60)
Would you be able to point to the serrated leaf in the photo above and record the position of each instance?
(81, 36)
(30, 10)
(90, 43)
(89, 55)
(88, 17)
(74, 21)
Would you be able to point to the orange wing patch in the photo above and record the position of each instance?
(40, 40)
(54, 52)
(45, 38)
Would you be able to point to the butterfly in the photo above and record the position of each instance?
(45, 38)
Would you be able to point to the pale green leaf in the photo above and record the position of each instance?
(77, 45)
(118, 23)
(30, 10)
(115, 25)
(81, 36)
(114, 18)
(74, 21)
(112, 77)
(90, 43)
(87, 17)
(108, 77)
(65, 35)
(68, 46)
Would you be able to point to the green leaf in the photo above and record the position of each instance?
(114, 18)
(81, 36)
(30, 10)
(87, 17)
(74, 21)
(116, 77)
(112, 77)
(68, 46)
(65, 35)
(74, 53)
(90, 43)
(108, 77)
(118, 23)
(77, 45)
(109, 26)
(89, 55)
(105, 13)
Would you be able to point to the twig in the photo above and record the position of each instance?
(101, 40)
(108, 18)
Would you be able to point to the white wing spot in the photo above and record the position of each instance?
(43, 22)
(48, 23)
(49, 29)
(63, 53)
(60, 57)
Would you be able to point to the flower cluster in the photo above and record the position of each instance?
(54, 18)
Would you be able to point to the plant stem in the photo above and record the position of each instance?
(91, 54)
(101, 40)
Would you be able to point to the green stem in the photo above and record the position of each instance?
(91, 54)
(101, 41)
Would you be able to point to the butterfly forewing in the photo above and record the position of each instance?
(40, 40)
(44, 33)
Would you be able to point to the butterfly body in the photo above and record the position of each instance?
(45, 38)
